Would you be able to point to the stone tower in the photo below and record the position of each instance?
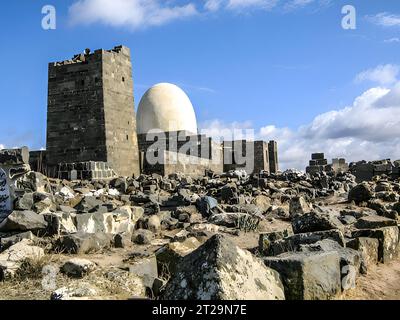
(273, 157)
(91, 114)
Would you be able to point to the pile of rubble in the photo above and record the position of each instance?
(180, 237)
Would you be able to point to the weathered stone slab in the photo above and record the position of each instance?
(219, 270)
(23, 221)
(61, 222)
(374, 222)
(368, 247)
(388, 241)
(12, 258)
(350, 260)
(82, 243)
(171, 255)
(265, 239)
(7, 242)
(298, 206)
(293, 243)
(315, 221)
(308, 276)
(146, 269)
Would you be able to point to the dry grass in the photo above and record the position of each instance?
(27, 284)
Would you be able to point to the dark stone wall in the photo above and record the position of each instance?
(120, 119)
(261, 157)
(91, 111)
(273, 157)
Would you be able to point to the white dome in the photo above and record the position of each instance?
(166, 107)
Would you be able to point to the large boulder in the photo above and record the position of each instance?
(123, 220)
(315, 221)
(360, 193)
(142, 236)
(374, 222)
(219, 270)
(298, 206)
(6, 242)
(262, 202)
(61, 222)
(368, 248)
(82, 243)
(89, 204)
(293, 243)
(78, 268)
(23, 221)
(388, 238)
(171, 255)
(308, 276)
(35, 182)
(146, 269)
(12, 258)
(350, 259)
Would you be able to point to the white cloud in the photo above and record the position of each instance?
(2, 146)
(369, 129)
(295, 4)
(239, 5)
(385, 19)
(139, 14)
(392, 40)
(244, 4)
(382, 74)
(134, 14)
(213, 5)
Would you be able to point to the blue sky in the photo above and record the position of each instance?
(283, 67)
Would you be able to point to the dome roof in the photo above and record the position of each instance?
(166, 107)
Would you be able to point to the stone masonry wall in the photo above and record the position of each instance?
(91, 111)
(120, 120)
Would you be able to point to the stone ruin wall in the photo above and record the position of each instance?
(91, 111)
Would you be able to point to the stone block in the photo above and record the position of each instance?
(12, 157)
(308, 276)
(368, 247)
(293, 243)
(388, 238)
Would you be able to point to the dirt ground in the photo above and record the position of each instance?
(381, 283)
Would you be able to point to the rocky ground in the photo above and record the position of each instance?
(287, 236)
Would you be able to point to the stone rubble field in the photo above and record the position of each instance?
(274, 237)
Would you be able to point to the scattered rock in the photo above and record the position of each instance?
(78, 268)
(308, 276)
(315, 221)
(142, 236)
(83, 243)
(298, 206)
(24, 221)
(75, 291)
(374, 222)
(12, 258)
(360, 193)
(388, 241)
(219, 270)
